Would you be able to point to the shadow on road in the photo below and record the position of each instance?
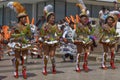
(29, 75)
(3, 77)
(57, 72)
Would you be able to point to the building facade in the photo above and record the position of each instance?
(62, 8)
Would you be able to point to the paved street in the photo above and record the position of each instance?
(65, 71)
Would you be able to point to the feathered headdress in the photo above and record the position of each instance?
(82, 6)
(48, 10)
(18, 8)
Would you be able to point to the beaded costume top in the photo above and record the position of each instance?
(50, 32)
(83, 33)
(22, 33)
(109, 34)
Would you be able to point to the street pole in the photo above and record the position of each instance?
(65, 8)
(3, 15)
(54, 5)
(91, 8)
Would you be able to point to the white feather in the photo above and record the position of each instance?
(81, 2)
(48, 8)
(10, 4)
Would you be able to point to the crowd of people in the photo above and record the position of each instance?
(74, 36)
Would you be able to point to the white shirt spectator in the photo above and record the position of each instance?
(103, 15)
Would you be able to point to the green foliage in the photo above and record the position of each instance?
(86, 40)
(22, 34)
(52, 29)
(24, 41)
(113, 31)
(100, 30)
(28, 30)
(17, 35)
(84, 31)
(109, 31)
(42, 32)
(92, 31)
(51, 38)
(78, 31)
(59, 34)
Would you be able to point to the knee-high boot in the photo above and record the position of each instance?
(78, 63)
(104, 60)
(24, 72)
(24, 68)
(53, 65)
(112, 60)
(85, 64)
(16, 65)
(45, 61)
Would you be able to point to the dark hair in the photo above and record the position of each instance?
(49, 16)
(20, 18)
(62, 27)
(108, 18)
(60, 22)
(64, 20)
(103, 8)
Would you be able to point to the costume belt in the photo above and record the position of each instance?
(19, 46)
(83, 40)
(109, 40)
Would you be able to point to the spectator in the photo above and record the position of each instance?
(103, 13)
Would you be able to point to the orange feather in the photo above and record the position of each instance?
(32, 21)
(67, 19)
(77, 18)
(28, 20)
(72, 18)
(6, 32)
(18, 7)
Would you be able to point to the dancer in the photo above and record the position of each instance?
(83, 41)
(68, 48)
(21, 35)
(49, 34)
(109, 40)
